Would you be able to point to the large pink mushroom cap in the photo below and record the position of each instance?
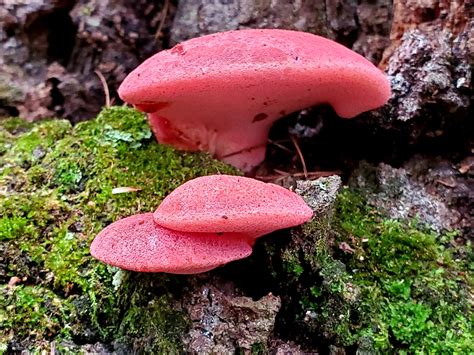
(221, 93)
(224, 203)
(137, 243)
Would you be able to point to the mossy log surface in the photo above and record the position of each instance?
(56, 195)
(350, 279)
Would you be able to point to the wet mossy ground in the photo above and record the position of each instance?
(354, 280)
(56, 186)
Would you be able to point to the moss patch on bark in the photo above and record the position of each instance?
(56, 186)
(391, 287)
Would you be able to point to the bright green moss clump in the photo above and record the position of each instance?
(56, 186)
(44, 311)
(391, 287)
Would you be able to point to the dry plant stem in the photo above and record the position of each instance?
(105, 87)
(300, 154)
(281, 146)
(163, 14)
(310, 175)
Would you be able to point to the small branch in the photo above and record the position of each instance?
(163, 14)
(281, 146)
(300, 154)
(282, 172)
(105, 87)
(310, 175)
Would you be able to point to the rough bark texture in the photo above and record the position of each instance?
(363, 25)
(423, 189)
(50, 51)
(222, 320)
(428, 16)
(430, 65)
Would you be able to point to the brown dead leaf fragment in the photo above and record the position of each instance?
(13, 281)
(466, 165)
(346, 248)
(448, 182)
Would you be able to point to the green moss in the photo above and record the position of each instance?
(9, 128)
(292, 264)
(35, 143)
(309, 243)
(13, 226)
(255, 349)
(15, 125)
(152, 318)
(56, 185)
(45, 313)
(402, 289)
(258, 349)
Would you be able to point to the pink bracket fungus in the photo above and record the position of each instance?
(225, 203)
(205, 223)
(221, 93)
(138, 243)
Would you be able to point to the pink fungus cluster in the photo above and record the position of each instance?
(203, 224)
(221, 93)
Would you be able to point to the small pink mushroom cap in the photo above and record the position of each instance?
(221, 93)
(224, 203)
(137, 243)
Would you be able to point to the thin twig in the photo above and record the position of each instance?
(281, 172)
(316, 174)
(163, 14)
(300, 154)
(311, 175)
(105, 87)
(281, 146)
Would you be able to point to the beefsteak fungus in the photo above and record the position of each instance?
(138, 243)
(225, 203)
(221, 93)
(205, 223)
